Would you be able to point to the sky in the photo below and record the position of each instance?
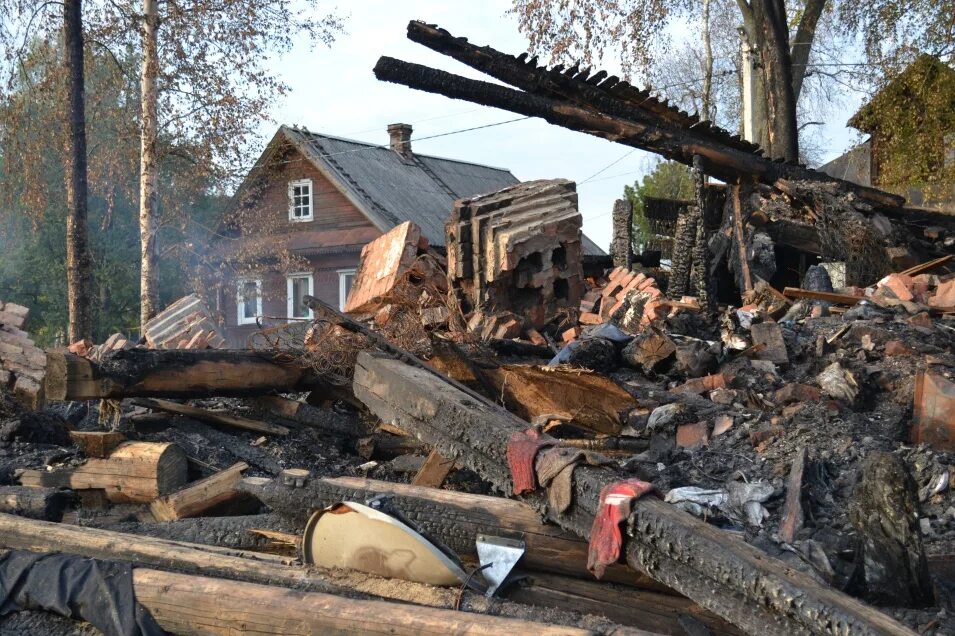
(333, 91)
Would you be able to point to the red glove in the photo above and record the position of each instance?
(522, 450)
(605, 536)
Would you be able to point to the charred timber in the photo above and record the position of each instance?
(173, 373)
(723, 574)
(564, 100)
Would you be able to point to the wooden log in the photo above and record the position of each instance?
(173, 373)
(740, 235)
(200, 497)
(97, 443)
(729, 577)
(626, 606)
(203, 606)
(840, 299)
(928, 266)
(135, 472)
(454, 518)
(251, 567)
(36, 503)
(212, 417)
(325, 420)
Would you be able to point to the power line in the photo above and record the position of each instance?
(419, 139)
(609, 165)
(417, 121)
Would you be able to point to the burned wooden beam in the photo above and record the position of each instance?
(729, 577)
(173, 373)
(454, 518)
(573, 103)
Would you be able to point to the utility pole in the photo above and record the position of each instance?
(749, 88)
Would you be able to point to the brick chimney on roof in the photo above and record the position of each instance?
(400, 135)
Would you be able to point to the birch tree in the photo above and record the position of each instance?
(206, 86)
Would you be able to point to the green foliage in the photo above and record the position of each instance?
(913, 120)
(667, 180)
(33, 204)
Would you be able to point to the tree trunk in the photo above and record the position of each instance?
(149, 167)
(78, 261)
(771, 33)
(802, 43)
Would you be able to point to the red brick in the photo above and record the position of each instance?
(921, 320)
(587, 318)
(535, 336)
(899, 284)
(702, 385)
(797, 392)
(570, 335)
(80, 348)
(507, 329)
(897, 348)
(692, 435)
(944, 295)
(933, 415)
(722, 424)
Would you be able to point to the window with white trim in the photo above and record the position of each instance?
(949, 141)
(300, 200)
(345, 279)
(249, 300)
(297, 287)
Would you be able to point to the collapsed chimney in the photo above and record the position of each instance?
(400, 135)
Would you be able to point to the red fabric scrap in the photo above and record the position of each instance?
(522, 450)
(605, 536)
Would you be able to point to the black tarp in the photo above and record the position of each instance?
(100, 592)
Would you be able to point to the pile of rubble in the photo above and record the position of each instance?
(502, 436)
(802, 439)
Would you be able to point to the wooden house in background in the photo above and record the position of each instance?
(303, 213)
(911, 145)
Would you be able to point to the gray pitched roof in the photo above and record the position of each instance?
(392, 189)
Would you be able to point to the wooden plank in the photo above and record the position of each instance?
(841, 299)
(928, 266)
(200, 497)
(434, 471)
(212, 417)
(727, 576)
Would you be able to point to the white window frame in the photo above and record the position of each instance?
(290, 300)
(240, 302)
(342, 292)
(291, 200)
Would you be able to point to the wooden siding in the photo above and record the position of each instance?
(336, 223)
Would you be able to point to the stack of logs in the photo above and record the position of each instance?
(22, 363)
